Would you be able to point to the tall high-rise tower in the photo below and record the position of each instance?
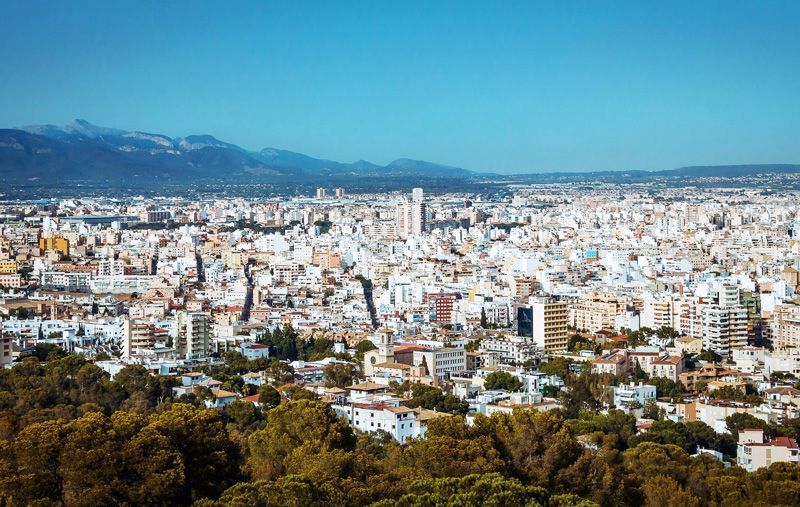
(412, 217)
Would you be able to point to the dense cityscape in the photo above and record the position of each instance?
(399, 254)
(601, 344)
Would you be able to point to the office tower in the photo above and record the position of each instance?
(321, 193)
(339, 192)
(412, 217)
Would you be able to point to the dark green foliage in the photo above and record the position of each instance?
(69, 435)
(432, 398)
(502, 380)
(668, 387)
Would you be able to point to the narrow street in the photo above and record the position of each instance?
(248, 298)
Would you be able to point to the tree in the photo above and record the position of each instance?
(295, 490)
(284, 343)
(578, 396)
(474, 489)
(268, 397)
(734, 394)
(48, 351)
(209, 455)
(484, 321)
(688, 436)
(432, 398)
(577, 343)
(310, 425)
(740, 421)
(709, 356)
(501, 380)
(363, 346)
(557, 366)
(668, 387)
(295, 393)
(661, 491)
(317, 348)
(280, 372)
(616, 423)
(339, 375)
(37, 452)
(652, 411)
(244, 416)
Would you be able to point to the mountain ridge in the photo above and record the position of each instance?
(84, 152)
(148, 149)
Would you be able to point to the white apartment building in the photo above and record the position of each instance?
(724, 328)
(782, 361)
(749, 359)
(441, 362)
(786, 326)
(594, 313)
(191, 334)
(371, 413)
(508, 349)
(411, 219)
(657, 311)
(626, 395)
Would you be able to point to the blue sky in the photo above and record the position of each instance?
(495, 86)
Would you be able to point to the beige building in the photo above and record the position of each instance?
(8, 267)
(785, 326)
(6, 351)
(689, 344)
(550, 318)
(140, 336)
(595, 312)
(753, 452)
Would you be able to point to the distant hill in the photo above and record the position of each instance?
(49, 155)
(82, 151)
(732, 171)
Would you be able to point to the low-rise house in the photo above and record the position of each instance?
(254, 350)
(753, 452)
(253, 378)
(614, 362)
(372, 413)
(689, 344)
(220, 398)
(633, 395)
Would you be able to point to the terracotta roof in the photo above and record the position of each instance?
(219, 393)
(366, 386)
(783, 390)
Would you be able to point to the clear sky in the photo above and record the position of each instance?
(496, 86)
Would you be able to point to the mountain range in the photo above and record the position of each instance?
(83, 153)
